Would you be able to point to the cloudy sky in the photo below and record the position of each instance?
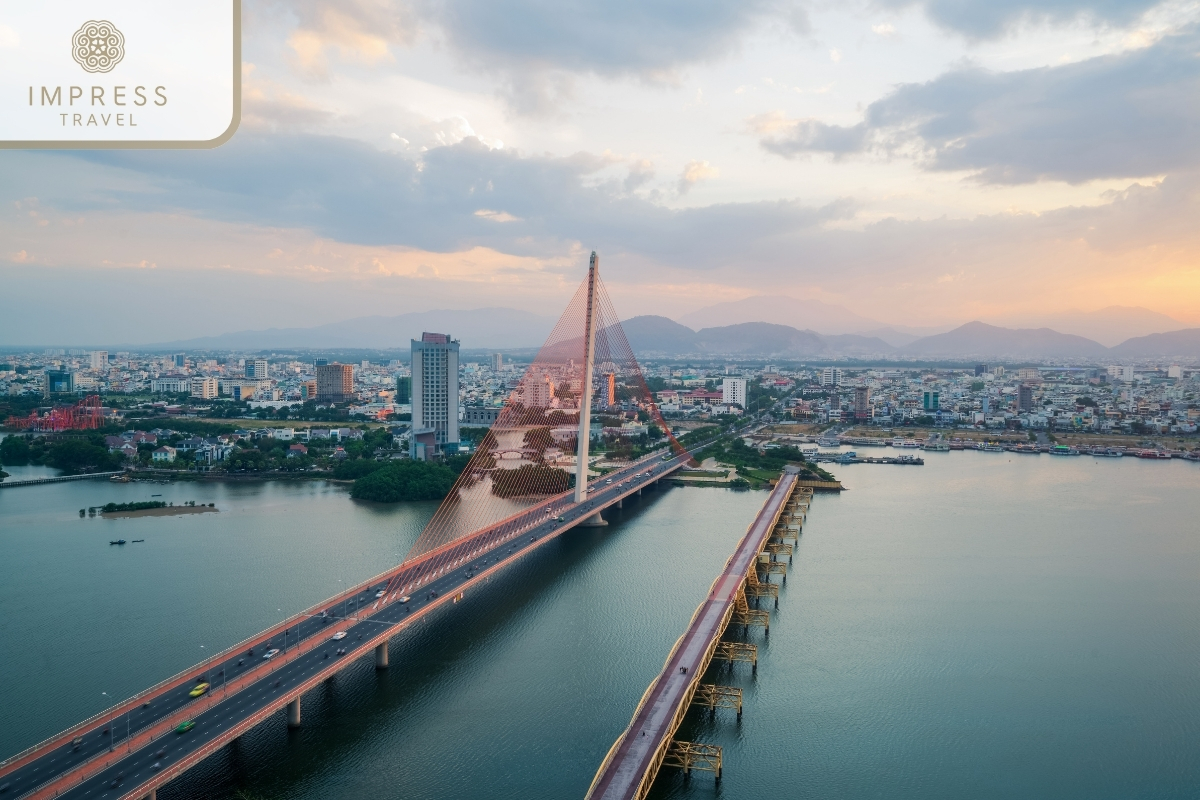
(923, 163)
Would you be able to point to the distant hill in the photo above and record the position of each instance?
(980, 340)
(654, 335)
(810, 315)
(481, 328)
(1109, 326)
(1184, 343)
(759, 338)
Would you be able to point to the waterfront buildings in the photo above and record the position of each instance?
(435, 394)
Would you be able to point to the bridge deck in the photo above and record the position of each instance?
(246, 689)
(631, 765)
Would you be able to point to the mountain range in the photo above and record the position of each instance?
(1109, 326)
(660, 336)
(509, 329)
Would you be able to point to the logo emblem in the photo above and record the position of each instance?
(98, 46)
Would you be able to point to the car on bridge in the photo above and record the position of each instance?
(184, 727)
(339, 635)
(198, 690)
(405, 599)
(274, 651)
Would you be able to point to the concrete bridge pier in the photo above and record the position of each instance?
(152, 796)
(293, 713)
(621, 503)
(594, 521)
(381, 655)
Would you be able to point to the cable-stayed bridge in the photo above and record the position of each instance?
(513, 496)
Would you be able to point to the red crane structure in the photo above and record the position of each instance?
(86, 415)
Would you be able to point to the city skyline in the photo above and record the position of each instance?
(917, 165)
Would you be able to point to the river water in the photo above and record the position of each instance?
(985, 626)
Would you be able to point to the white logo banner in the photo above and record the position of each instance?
(119, 73)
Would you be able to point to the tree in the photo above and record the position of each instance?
(14, 451)
(405, 480)
(78, 455)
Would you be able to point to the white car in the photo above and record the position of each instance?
(380, 594)
(274, 651)
(339, 635)
(404, 599)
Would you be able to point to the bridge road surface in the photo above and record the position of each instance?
(625, 773)
(246, 689)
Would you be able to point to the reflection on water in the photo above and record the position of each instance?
(987, 625)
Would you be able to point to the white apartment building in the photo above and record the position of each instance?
(733, 391)
(831, 376)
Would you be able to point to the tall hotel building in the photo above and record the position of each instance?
(434, 395)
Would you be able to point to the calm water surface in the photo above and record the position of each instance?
(985, 626)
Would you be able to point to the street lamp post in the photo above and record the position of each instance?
(111, 732)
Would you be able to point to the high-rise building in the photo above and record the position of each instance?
(537, 391)
(1024, 398)
(335, 382)
(320, 362)
(59, 381)
(180, 360)
(931, 400)
(256, 368)
(497, 362)
(980, 369)
(434, 394)
(1174, 371)
(204, 388)
(862, 402)
(608, 388)
(733, 392)
(308, 390)
(100, 359)
(831, 376)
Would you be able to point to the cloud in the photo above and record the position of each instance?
(641, 171)
(357, 30)
(289, 211)
(535, 50)
(1115, 116)
(496, 216)
(266, 104)
(990, 19)
(694, 172)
